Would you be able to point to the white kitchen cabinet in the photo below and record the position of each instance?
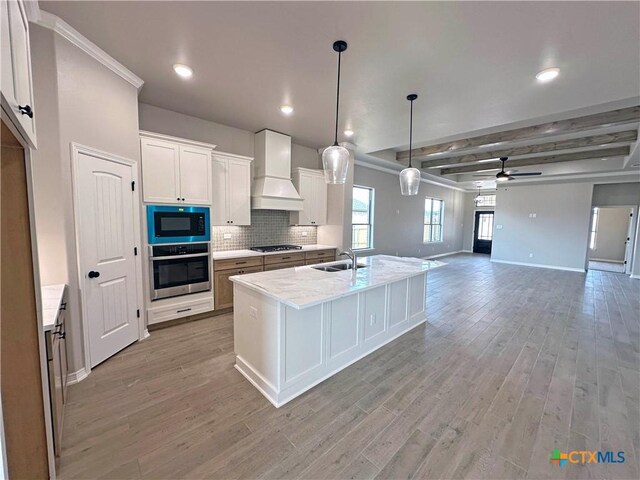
(231, 189)
(175, 170)
(313, 189)
(15, 82)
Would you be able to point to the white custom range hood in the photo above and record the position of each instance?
(272, 187)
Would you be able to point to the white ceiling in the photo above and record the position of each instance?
(472, 63)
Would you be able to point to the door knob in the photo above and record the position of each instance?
(26, 110)
(93, 274)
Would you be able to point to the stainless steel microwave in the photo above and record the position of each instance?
(169, 224)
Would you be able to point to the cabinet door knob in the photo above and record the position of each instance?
(26, 110)
(93, 274)
(183, 199)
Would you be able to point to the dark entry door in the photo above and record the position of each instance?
(483, 232)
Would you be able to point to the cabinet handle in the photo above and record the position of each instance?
(240, 263)
(26, 110)
(183, 199)
(240, 271)
(183, 310)
(286, 258)
(63, 306)
(178, 198)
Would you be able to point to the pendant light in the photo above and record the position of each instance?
(410, 176)
(477, 199)
(335, 159)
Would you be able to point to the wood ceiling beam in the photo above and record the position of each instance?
(628, 136)
(541, 160)
(589, 122)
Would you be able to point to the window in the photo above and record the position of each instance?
(362, 218)
(485, 200)
(433, 211)
(594, 228)
(485, 226)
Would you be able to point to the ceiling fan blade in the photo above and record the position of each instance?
(530, 174)
(484, 176)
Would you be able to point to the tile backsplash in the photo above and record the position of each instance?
(268, 227)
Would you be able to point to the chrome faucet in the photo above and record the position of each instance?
(351, 255)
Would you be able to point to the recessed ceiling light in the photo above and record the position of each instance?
(183, 70)
(286, 109)
(348, 133)
(547, 74)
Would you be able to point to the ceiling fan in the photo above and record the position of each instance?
(503, 176)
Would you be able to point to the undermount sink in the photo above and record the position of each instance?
(339, 267)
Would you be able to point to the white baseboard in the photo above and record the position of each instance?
(606, 260)
(443, 254)
(466, 251)
(146, 334)
(75, 377)
(537, 265)
(637, 277)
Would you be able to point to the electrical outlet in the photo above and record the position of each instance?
(531, 255)
(226, 236)
(253, 313)
(304, 234)
(498, 227)
(535, 215)
(372, 319)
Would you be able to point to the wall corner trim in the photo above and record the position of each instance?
(362, 164)
(75, 377)
(537, 265)
(62, 28)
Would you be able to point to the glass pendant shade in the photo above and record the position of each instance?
(335, 162)
(409, 181)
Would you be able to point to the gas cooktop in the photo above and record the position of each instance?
(276, 248)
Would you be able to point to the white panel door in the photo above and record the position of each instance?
(219, 175)
(239, 192)
(195, 175)
(107, 240)
(306, 192)
(16, 66)
(160, 171)
(319, 200)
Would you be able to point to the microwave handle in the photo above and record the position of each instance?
(173, 257)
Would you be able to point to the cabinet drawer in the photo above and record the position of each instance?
(243, 262)
(321, 254)
(162, 314)
(278, 266)
(223, 287)
(283, 257)
(314, 261)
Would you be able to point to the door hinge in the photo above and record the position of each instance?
(133, 186)
(138, 313)
(135, 251)
(625, 262)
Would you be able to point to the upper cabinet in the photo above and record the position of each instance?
(175, 170)
(15, 58)
(313, 189)
(231, 189)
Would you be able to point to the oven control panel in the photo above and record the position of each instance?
(179, 249)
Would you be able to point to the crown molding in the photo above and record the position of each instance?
(184, 141)
(360, 163)
(66, 31)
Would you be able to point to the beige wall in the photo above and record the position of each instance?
(611, 234)
(556, 237)
(105, 117)
(398, 222)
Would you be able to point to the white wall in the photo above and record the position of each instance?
(557, 236)
(79, 100)
(611, 234)
(398, 222)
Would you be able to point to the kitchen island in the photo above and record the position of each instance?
(296, 327)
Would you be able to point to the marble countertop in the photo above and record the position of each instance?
(223, 255)
(52, 296)
(302, 287)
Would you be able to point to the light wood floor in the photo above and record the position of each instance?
(512, 363)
